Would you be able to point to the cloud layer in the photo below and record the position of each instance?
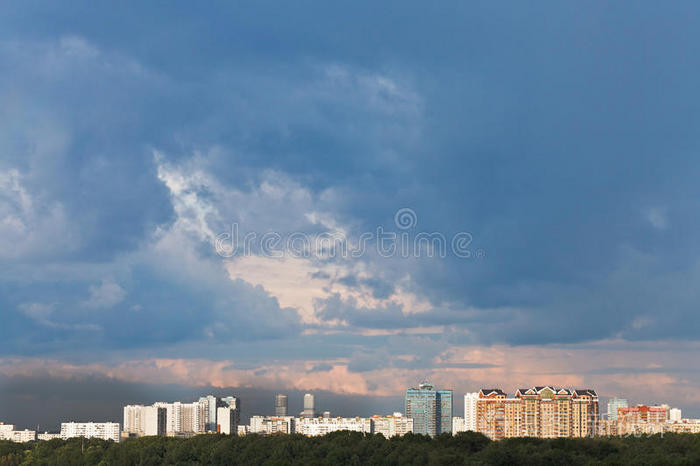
(562, 141)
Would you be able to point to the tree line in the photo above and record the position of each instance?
(353, 448)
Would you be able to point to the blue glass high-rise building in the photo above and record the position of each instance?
(613, 405)
(430, 409)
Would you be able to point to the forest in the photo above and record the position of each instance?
(353, 448)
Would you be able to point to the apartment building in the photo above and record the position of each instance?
(544, 411)
(322, 426)
(9, 432)
(101, 430)
(268, 425)
(641, 419)
(142, 420)
(391, 426)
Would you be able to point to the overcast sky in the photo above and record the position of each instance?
(559, 139)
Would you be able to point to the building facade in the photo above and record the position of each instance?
(9, 432)
(281, 407)
(309, 406)
(470, 400)
(184, 419)
(457, 425)
(142, 420)
(210, 405)
(269, 425)
(430, 409)
(545, 412)
(322, 426)
(227, 420)
(391, 426)
(675, 415)
(613, 405)
(101, 430)
(641, 419)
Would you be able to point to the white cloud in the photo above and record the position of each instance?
(43, 314)
(658, 218)
(108, 294)
(39, 312)
(30, 225)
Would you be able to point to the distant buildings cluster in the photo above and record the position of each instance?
(551, 412)
(389, 426)
(177, 419)
(101, 430)
(9, 432)
(623, 420)
(542, 411)
(309, 424)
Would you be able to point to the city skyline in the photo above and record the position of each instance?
(265, 404)
(345, 199)
(544, 411)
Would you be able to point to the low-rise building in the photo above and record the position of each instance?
(268, 425)
(607, 427)
(458, 425)
(641, 420)
(321, 426)
(684, 426)
(391, 426)
(101, 430)
(8, 432)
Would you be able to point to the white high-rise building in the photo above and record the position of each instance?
(172, 423)
(184, 418)
(470, 400)
(101, 430)
(227, 420)
(235, 404)
(193, 417)
(142, 420)
(674, 415)
(210, 406)
(154, 420)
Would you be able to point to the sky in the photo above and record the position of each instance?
(552, 145)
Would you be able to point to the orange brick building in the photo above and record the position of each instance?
(545, 412)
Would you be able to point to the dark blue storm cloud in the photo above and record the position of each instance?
(564, 138)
